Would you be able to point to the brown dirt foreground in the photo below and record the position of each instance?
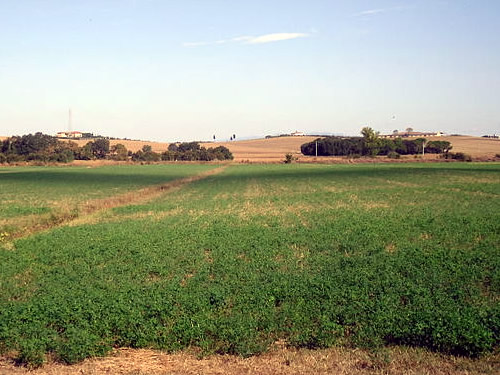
(278, 361)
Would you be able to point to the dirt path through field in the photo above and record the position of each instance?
(87, 211)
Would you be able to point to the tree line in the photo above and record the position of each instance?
(44, 148)
(370, 144)
(185, 151)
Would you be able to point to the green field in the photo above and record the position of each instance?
(32, 195)
(315, 255)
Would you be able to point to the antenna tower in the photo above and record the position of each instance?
(69, 120)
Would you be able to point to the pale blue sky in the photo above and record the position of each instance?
(170, 70)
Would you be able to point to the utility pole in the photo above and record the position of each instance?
(316, 148)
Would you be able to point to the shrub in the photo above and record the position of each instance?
(15, 158)
(188, 146)
(173, 147)
(79, 344)
(460, 156)
(64, 156)
(221, 153)
(119, 152)
(100, 148)
(192, 151)
(31, 353)
(437, 147)
(393, 155)
(330, 146)
(40, 157)
(169, 155)
(147, 156)
(288, 159)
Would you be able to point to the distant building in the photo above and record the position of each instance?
(297, 134)
(71, 135)
(411, 134)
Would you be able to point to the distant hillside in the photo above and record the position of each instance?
(474, 146)
(265, 150)
(130, 145)
(274, 149)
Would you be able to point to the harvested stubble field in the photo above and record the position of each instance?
(308, 256)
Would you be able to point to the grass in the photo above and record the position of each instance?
(312, 255)
(31, 195)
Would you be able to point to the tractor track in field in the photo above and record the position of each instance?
(84, 212)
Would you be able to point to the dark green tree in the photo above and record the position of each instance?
(173, 147)
(188, 146)
(119, 152)
(100, 148)
(371, 141)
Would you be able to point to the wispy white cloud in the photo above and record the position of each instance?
(247, 39)
(370, 12)
(269, 38)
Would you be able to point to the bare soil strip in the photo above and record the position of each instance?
(279, 360)
(84, 211)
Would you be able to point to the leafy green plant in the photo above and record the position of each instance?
(311, 255)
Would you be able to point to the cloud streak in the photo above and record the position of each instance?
(277, 37)
(247, 39)
(372, 12)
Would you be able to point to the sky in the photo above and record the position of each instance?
(182, 70)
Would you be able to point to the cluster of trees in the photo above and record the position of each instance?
(193, 151)
(370, 144)
(186, 151)
(45, 148)
(37, 147)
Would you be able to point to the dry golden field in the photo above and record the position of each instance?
(130, 145)
(474, 146)
(264, 150)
